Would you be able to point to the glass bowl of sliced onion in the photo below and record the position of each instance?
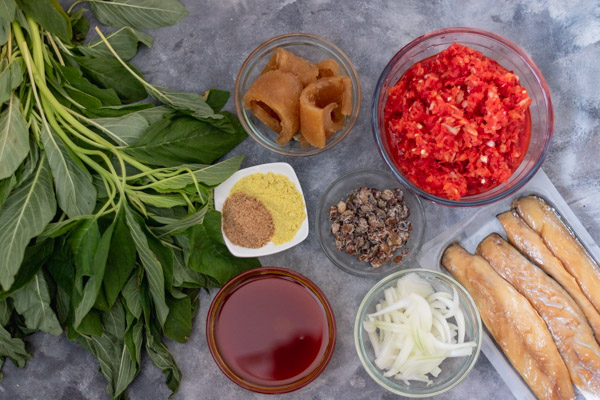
(418, 333)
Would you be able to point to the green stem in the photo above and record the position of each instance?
(36, 44)
(93, 123)
(73, 5)
(56, 51)
(9, 45)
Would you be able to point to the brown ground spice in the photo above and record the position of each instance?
(246, 221)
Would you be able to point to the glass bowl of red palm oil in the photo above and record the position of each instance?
(271, 330)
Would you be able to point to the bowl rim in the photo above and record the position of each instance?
(539, 79)
(311, 151)
(360, 317)
(234, 283)
(373, 272)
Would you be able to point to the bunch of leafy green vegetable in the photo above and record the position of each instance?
(107, 230)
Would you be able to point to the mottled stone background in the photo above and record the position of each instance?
(207, 49)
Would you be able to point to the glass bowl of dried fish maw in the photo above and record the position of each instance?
(457, 362)
(263, 88)
(397, 241)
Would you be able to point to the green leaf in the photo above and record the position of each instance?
(10, 78)
(14, 138)
(84, 240)
(178, 325)
(76, 82)
(14, 348)
(132, 298)
(7, 9)
(35, 256)
(164, 254)
(190, 103)
(25, 214)
(108, 73)
(4, 34)
(5, 312)
(161, 200)
(153, 268)
(31, 162)
(94, 283)
(187, 278)
(91, 324)
(80, 26)
(127, 129)
(33, 303)
(216, 99)
(162, 358)
(121, 260)
(50, 15)
(210, 256)
(56, 229)
(124, 41)
(61, 268)
(139, 14)
(182, 224)
(171, 142)
(134, 336)
(6, 186)
(123, 130)
(75, 192)
(115, 360)
(101, 303)
(210, 175)
(117, 111)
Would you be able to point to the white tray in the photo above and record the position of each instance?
(472, 230)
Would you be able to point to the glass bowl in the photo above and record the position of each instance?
(340, 190)
(453, 370)
(312, 48)
(510, 57)
(271, 330)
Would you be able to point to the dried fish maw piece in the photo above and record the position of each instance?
(347, 96)
(528, 242)
(328, 68)
(542, 218)
(274, 98)
(303, 142)
(321, 108)
(286, 61)
(317, 123)
(513, 322)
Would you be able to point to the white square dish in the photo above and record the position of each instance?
(222, 192)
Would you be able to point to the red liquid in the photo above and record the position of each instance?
(271, 331)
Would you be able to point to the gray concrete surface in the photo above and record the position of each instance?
(207, 49)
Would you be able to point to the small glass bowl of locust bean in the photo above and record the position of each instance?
(369, 224)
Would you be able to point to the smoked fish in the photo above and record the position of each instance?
(528, 242)
(573, 336)
(515, 325)
(543, 219)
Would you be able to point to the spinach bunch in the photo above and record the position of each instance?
(107, 229)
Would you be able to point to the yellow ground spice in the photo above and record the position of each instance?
(281, 198)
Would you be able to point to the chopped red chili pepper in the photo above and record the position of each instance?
(458, 123)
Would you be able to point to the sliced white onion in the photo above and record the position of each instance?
(411, 331)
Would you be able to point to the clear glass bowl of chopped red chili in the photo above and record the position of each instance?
(430, 172)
